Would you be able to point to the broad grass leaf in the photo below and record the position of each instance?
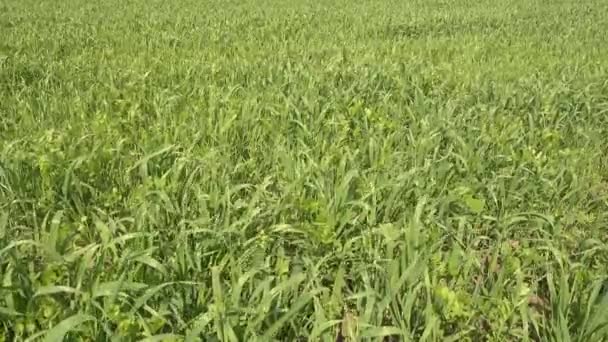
(373, 332)
(58, 332)
(48, 290)
(294, 309)
(476, 205)
(199, 325)
(113, 287)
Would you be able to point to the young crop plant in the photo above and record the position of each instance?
(303, 171)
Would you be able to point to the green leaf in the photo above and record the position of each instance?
(162, 338)
(113, 287)
(198, 327)
(9, 312)
(389, 232)
(139, 302)
(153, 263)
(381, 332)
(295, 308)
(17, 244)
(475, 205)
(48, 290)
(3, 223)
(58, 332)
(322, 327)
(454, 262)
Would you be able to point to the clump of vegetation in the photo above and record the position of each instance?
(267, 170)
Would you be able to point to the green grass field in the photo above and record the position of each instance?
(304, 171)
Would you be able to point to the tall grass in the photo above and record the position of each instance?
(266, 170)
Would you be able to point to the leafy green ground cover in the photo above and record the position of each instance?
(303, 171)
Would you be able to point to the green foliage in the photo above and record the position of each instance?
(304, 170)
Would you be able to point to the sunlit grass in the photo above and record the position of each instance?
(265, 170)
